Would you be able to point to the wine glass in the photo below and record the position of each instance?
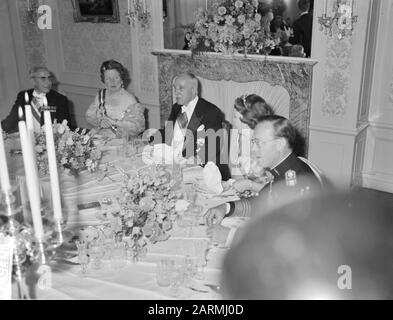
(96, 253)
(176, 278)
(83, 255)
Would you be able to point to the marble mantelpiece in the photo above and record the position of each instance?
(294, 74)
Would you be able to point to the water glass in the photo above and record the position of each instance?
(176, 278)
(164, 272)
(190, 267)
(97, 252)
(83, 255)
(119, 255)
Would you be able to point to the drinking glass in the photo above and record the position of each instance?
(83, 255)
(119, 255)
(97, 252)
(190, 267)
(176, 278)
(164, 270)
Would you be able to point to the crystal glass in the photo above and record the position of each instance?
(119, 255)
(190, 267)
(83, 255)
(164, 271)
(96, 254)
(176, 278)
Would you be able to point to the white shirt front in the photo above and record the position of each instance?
(39, 99)
(178, 133)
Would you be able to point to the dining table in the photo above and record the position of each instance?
(132, 279)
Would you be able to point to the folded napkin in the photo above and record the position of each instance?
(212, 178)
(160, 154)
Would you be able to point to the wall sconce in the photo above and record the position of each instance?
(32, 11)
(341, 22)
(137, 10)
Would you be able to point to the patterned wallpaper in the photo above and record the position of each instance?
(337, 77)
(86, 45)
(32, 39)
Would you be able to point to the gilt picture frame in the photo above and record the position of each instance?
(96, 11)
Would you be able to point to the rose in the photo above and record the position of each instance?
(221, 11)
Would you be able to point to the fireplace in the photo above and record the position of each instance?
(292, 75)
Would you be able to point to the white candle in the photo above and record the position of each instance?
(4, 177)
(33, 187)
(29, 123)
(144, 5)
(54, 177)
(324, 7)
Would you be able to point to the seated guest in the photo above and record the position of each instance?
(191, 118)
(113, 107)
(333, 246)
(248, 111)
(42, 87)
(272, 149)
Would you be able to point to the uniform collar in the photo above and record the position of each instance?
(283, 166)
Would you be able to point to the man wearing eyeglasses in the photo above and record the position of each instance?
(286, 177)
(40, 94)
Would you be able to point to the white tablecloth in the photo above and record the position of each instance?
(134, 280)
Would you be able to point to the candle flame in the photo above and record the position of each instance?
(20, 114)
(26, 97)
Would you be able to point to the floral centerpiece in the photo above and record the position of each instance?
(145, 209)
(234, 26)
(75, 150)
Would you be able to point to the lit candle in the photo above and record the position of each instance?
(4, 177)
(324, 7)
(33, 188)
(206, 5)
(54, 177)
(128, 6)
(144, 5)
(29, 119)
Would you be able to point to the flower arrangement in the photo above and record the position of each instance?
(146, 208)
(234, 26)
(75, 150)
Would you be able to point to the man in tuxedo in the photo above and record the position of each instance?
(287, 178)
(194, 127)
(42, 83)
(302, 27)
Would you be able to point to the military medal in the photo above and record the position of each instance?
(290, 178)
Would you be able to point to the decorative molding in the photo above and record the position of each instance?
(337, 79)
(294, 75)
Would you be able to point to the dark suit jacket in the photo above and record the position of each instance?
(10, 124)
(302, 32)
(207, 114)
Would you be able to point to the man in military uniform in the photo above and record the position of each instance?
(286, 177)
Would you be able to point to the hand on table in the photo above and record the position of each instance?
(217, 234)
(247, 185)
(215, 215)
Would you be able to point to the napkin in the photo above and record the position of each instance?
(160, 154)
(212, 178)
(192, 174)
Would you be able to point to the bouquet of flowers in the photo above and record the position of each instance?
(145, 210)
(234, 26)
(75, 150)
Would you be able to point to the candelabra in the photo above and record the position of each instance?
(342, 19)
(138, 12)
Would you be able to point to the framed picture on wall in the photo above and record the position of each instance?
(96, 11)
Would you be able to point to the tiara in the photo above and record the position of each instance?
(244, 97)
